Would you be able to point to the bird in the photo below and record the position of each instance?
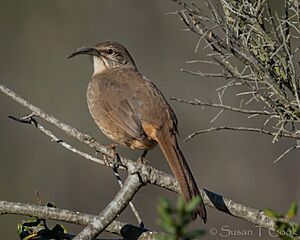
(131, 111)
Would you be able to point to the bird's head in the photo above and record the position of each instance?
(106, 56)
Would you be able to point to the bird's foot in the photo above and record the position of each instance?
(114, 160)
(142, 158)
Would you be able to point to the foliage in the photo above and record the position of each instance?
(36, 228)
(175, 220)
(284, 228)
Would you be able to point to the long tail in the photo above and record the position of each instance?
(169, 146)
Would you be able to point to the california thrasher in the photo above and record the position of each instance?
(131, 110)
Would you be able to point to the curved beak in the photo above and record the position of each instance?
(85, 50)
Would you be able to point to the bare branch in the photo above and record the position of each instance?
(286, 152)
(64, 215)
(84, 138)
(225, 107)
(133, 209)
(113, 209)
(247, 129)
(30, 120)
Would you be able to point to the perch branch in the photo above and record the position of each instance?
(113, 209)
(133, 209)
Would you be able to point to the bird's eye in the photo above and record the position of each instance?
(109, 51)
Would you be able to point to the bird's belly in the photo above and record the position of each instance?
(119, 136)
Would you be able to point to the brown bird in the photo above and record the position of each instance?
(131, 111)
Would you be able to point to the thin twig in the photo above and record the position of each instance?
(286, 152)
(41, 128)
(225, 107)
(247, 129)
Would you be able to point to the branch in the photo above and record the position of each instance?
(225, 107)
(112, 210)
(84, 138)
(64, 215)
(246, 129)
(147, 174)
(133, 209)
(29, 119)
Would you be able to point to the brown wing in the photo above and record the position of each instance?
(115, 102)
(162, 106)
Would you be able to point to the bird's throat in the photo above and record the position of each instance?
(100, 65)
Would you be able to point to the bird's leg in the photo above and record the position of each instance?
(115, 160)
(142, 158)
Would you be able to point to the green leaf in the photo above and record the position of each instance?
(193, 204)
(286, 230)
(180, 206)
(164, 210)
(273, 214)
(29, 237)
(165, 216)
(292, 210)
(175, 221)
(19, 228)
